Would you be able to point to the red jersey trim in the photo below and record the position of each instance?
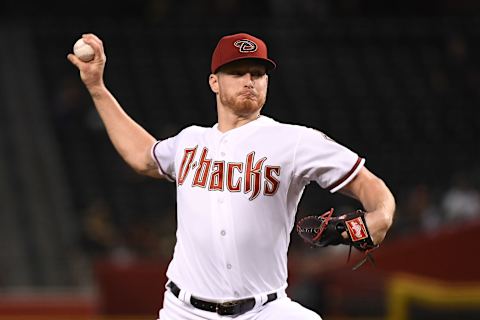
(347, 176)
(162, 172)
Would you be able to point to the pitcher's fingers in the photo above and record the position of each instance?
(97, 48)
(74, 60)
(94, 41)
(93, 36)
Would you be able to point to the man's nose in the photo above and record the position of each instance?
(250, 80)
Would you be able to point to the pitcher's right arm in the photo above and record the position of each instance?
(132, 142)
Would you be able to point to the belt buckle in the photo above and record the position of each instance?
(229, 304)
(227, 308)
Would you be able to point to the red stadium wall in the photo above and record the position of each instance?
(134, 288)
(450, 254)
(448, 258)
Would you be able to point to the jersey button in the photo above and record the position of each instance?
(229, 266)
(236, 294)
(223, 232)
(220, 200)
(222, 154)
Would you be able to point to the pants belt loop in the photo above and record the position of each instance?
(261, 299)
(258, 301)
(184, 296)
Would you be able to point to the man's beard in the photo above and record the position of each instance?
(243, 104)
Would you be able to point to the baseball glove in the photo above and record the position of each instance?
(326, 230)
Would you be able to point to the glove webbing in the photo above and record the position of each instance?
(326, 219)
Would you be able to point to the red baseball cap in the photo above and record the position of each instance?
(240, 46)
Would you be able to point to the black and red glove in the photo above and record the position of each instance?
(326, 230)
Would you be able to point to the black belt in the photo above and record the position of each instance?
(228, 308)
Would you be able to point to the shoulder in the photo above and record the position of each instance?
(192, 130)
(302, 135)
(292, 128)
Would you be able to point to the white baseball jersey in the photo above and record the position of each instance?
(237, 195)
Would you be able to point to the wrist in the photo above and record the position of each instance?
(378, 223)
(97, 91)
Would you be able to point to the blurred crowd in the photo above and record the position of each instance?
(141, 239)
(426, 209)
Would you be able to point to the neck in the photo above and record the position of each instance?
(229, 120)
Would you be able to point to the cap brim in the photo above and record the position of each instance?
(269, 64)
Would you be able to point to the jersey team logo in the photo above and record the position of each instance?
(357, 229)
(245, 45)
(250, 176)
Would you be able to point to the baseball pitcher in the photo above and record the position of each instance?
(238, 186)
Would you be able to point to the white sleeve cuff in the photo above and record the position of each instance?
(160, 170)
(348, 177)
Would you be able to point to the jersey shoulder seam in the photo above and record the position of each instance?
(192, 128)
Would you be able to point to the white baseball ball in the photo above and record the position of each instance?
(83, 50)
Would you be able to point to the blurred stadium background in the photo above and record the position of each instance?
(83, 237)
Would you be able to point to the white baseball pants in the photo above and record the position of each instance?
(282, 308)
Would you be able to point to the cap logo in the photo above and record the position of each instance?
(245, 45)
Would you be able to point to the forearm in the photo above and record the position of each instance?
(376, 199)
(131, 141)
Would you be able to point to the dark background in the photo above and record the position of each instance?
(396, 81)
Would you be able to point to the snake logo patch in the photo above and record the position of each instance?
(245, 45)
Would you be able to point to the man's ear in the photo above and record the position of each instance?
(213, 81)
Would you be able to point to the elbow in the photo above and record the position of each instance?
(385, 208)
(389, 209)
(140, 167)
(145, 170)
(140, 170)
(148, 169)
(387, 221)
(140, 161)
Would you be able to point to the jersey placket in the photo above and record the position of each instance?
(226, 228)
